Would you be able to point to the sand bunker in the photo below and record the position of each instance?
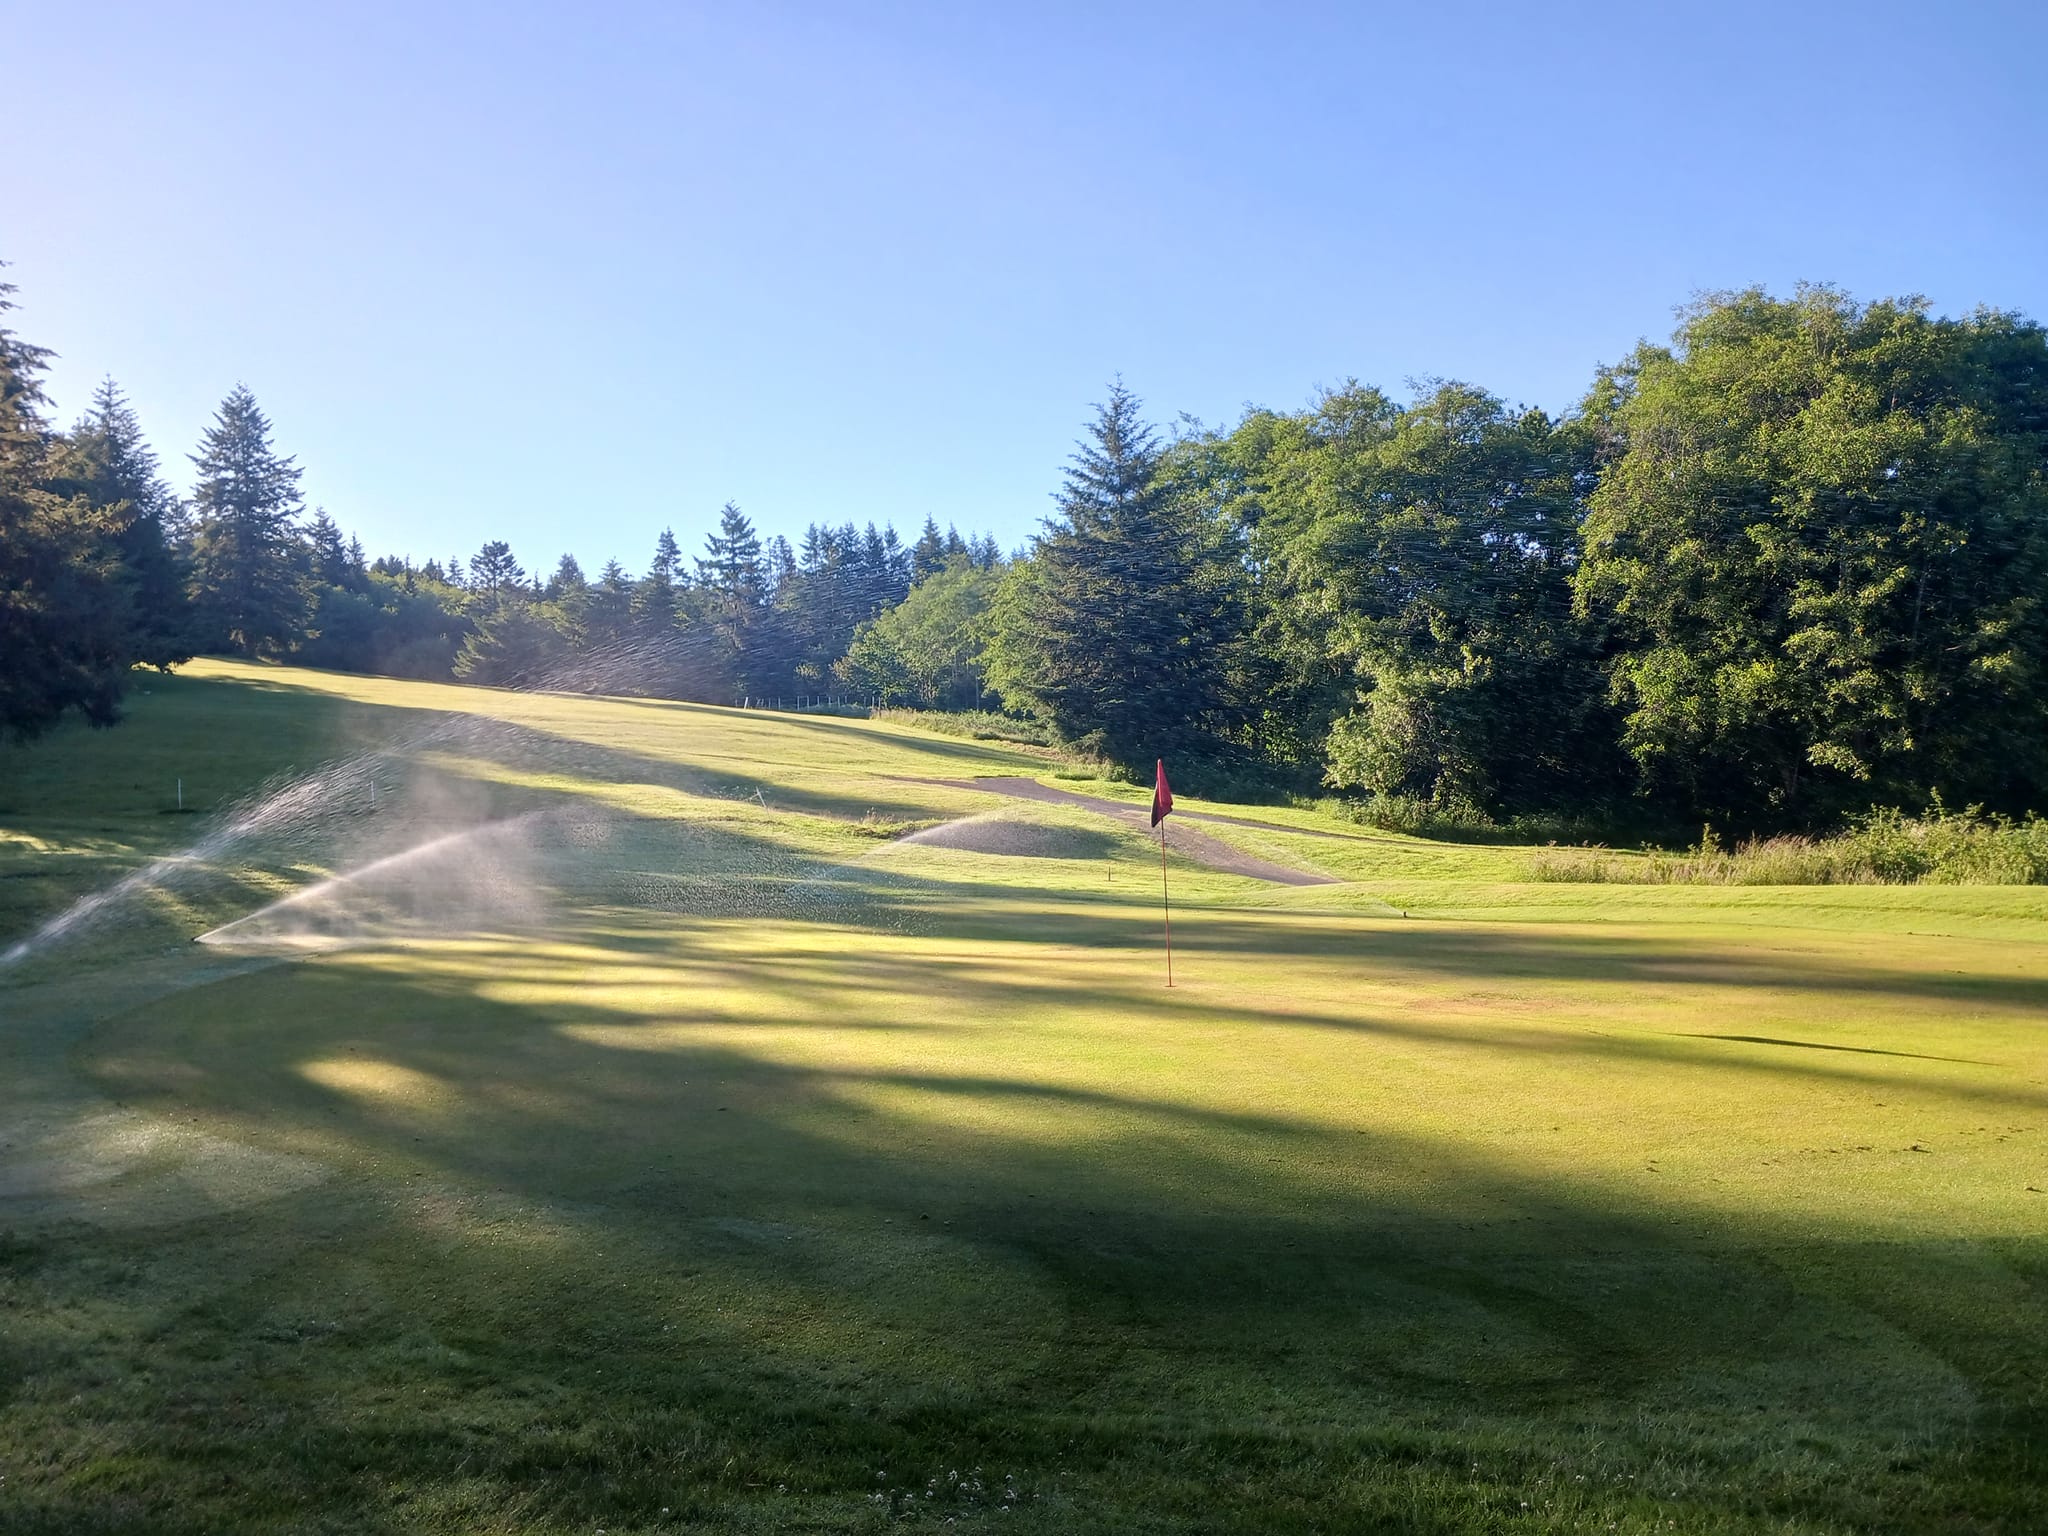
(1203, 849)
(1015, 837)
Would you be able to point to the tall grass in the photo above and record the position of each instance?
(974, 724)
(1883, 847)
(1454, 819)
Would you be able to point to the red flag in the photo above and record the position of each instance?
(1162, 796)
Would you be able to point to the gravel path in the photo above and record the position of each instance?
(1197, 846)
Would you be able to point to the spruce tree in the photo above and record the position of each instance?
(928, 554)
(65, 626)
(330, 554)
(608, 617)
(654, 600)
(568, 580)
(732, 585)
(1119, 628)
(780, 561)
(250, 593)
(106, 459)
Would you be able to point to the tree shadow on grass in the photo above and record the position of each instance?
(756, 1268)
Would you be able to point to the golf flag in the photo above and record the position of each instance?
(1162, 807)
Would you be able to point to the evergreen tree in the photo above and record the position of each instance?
(655, 599)
(66, 630)
(568, 580)
(1119, 629)
(516, 645)
(494, 575)
(780, 562)
(732, 587)
(106, 459)
(608, 615)
(330, 557)
(245, 578)
(928, 554)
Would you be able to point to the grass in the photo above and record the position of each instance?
(797, 1180)
(975, 724)
(1885, 847)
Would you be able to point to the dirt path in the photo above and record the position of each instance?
(1202, 849)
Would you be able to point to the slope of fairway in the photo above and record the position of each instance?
(769, 1169)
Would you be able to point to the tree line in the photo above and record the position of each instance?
(104, 567)
(1790, 565)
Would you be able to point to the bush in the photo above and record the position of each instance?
(1451, 817)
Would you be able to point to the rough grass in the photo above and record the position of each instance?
(974, 724)
(791, 1180)
(1885, 847)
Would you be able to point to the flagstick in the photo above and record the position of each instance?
(1166, 901)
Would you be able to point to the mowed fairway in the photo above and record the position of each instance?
(775, 1174)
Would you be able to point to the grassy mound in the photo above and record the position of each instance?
(1019, 835)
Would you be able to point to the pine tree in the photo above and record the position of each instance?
(249, 591)
(1119, 628)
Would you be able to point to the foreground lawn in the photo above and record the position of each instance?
(775, 1175)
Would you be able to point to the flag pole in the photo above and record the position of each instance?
(1166, 902)
(1162, 807)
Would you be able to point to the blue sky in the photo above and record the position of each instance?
(508, 271)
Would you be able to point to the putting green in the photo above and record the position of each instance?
(783, 1174)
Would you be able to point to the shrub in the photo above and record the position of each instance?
(1450, 817)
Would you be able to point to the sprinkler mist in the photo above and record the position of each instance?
(285, 815)
(480, 875)
(479, 878)
(289, 821)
